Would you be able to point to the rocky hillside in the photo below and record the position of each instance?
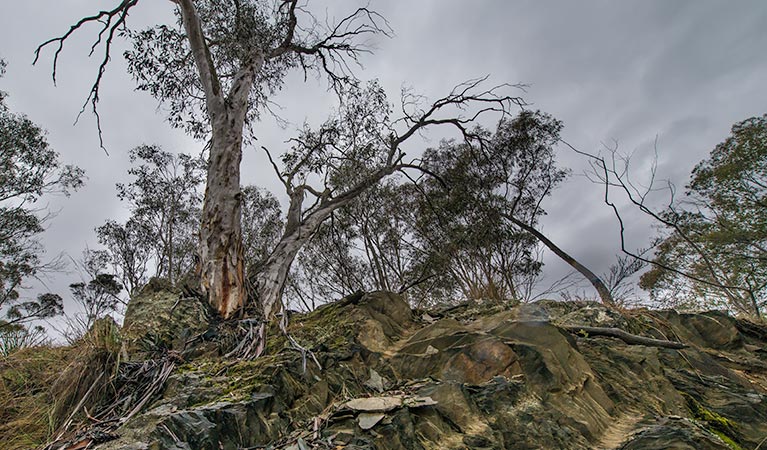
(533, 376)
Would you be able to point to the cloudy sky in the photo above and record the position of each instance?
(613, 71)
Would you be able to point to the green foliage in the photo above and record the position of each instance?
(129, 250)
(164, 199)
(14, 337)
(717, 233)
(160, 61)
(460, 221)
(98, 297)
(261, 226)
(29, 169)
(440, 236)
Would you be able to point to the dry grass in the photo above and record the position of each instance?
(25, 397)
(86, 382)
(40, 387)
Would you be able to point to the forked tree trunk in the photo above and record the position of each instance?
(270, 280)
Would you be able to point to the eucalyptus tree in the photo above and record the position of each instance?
(462, 229)
(164, 196)
(328, 266)
(713, 244)
(530, 175)
(164, 201)
(261, 227)
(357, 148)
(29, 170)
(217, 67)
(129, 249)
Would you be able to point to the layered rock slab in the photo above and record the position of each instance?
(511, 379)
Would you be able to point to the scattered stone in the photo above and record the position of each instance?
(471, 377)
(430, 350)
(368, 420)
(374, 404)
(418, 402)
(375, 382)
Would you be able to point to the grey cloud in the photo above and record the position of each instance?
(631, 70)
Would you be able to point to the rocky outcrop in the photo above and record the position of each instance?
(473, 377)
(160, 317)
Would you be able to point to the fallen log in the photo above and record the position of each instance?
(631, 339)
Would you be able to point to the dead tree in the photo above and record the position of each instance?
(613, 174)
(604, 293)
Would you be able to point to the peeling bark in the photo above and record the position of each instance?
(221, 253)
(222, 260)
(270, 281)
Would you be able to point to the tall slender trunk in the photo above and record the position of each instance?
(221, 252)
(170, 246)
(595, 281)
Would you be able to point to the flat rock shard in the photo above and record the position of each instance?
(374, 404)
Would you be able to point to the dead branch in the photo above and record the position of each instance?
(610, 176)
(110, 21)
(631, 339)
(604, 292)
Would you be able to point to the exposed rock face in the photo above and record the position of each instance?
(513, 379)
(162, 317)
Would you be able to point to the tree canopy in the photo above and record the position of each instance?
(29, 169)
(715, 235)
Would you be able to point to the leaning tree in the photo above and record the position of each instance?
(217, 67)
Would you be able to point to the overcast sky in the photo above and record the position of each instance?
(625, 71)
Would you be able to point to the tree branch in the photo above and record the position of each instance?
(631, 339)
(111, 21)
(202, 57)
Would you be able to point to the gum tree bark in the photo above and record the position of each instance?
(270, 281)
(221, 256)
(226, 98)
(344, 139)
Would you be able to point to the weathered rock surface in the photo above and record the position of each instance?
(477, 379)
(162, 317)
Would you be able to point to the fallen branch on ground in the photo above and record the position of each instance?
(631, 339)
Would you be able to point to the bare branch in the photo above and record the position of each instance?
(462, 96)
(631, 339)
(610, 176)
(111, 21)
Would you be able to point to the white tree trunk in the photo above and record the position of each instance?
(221, 253)
(270, 280)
